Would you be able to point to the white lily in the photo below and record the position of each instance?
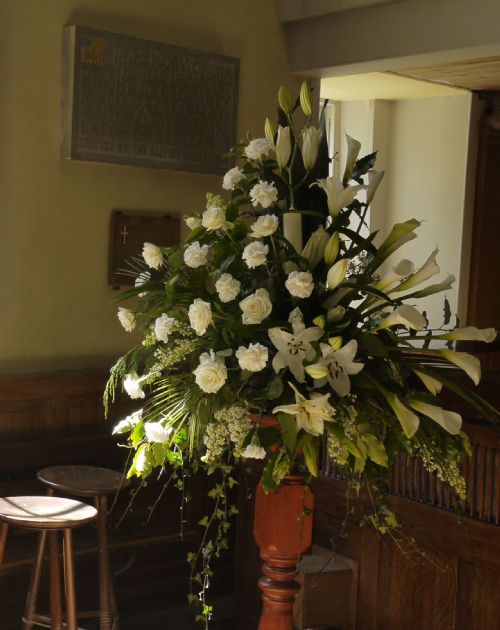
(283, 146)
(449, 420)
(335, 366)
(400, 234)
(403, 315)
(337, 273)
(337, 196)
(315, 246)
(374, 179)
(432, 384)
(402, 270)
(294, 348)
(470, 333)
(311, 413)
(353, 148)
(427, 270)
(466, 362)
(310, 144)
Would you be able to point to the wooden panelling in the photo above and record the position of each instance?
(472, 74)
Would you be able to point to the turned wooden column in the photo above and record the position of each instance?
(283, 531)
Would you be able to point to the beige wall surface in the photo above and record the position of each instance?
(55, 310)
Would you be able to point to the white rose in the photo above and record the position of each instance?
(200, 316)
(253, 451)
(264, 226)
(156, 432)
(300, 284)
(196, 256)
(214, 218)
(256, 307)
(163, 327)
(132, 385)
(192, 222)
(255, 254)
(211, 373)
(141, 279)
(127, 318)
(253, 358)
(258, 148)
(232, 178)
(227, 287)
(153, 255)
(263, 193)
(128, 423)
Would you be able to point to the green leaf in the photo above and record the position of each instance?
(311, 454)
(373, 344)
(137, 434)
(446, 312)
(375, 449)
(268, 482)
(282, 467)
(275, 388)
(363, 165)
(288, 424)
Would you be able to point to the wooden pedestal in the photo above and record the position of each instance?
(283, 531)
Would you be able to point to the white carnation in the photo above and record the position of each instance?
(252, 451)
(264, 226)
(227, 287)
(132, 385)
(256, 307)
(163, 327)
(253, 358)
(263, 193)
(127, 318)
(200, 316)
(153, 255)
(195, 255)
(232, 178)
(258, 148)
(156, 432)
(192, 222)
(214, 218)
(128, 423)
(141, 279)
(211, 373)
(255, 254)
(300, 284)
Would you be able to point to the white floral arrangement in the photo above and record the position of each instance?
(329, 338)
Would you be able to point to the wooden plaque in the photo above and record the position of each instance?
(133, 101)
(127, 236)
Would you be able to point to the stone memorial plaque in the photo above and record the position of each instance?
(134, 101)
(127, 235)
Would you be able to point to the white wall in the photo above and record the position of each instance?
(422, 146)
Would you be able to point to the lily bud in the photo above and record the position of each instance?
(270, 130)
(374, 179)
(332, 248)
(335, 342)
(283, 146)
(310, 145)
(337, 273)
(317, 371)
(320, 321)
(353, 147)
(285, 100)
(335, 314)
(305, 99)
(315, 246)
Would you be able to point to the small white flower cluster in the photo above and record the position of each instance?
(230, 428)
(171, 356)
(347, 416)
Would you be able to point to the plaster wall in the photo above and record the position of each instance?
(55, 310)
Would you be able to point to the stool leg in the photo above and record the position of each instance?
(69, 580)
(105, 585)
(3, 540)
(34, 587)
(55, 583)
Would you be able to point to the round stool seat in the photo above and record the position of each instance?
(45, 512)
(83, 481)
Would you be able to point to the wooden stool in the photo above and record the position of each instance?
(48, 515)
(96, 483)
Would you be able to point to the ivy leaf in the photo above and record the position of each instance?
(137, 434)
(363, 165)
(268, 482)
(281, 467)
(375, 450)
